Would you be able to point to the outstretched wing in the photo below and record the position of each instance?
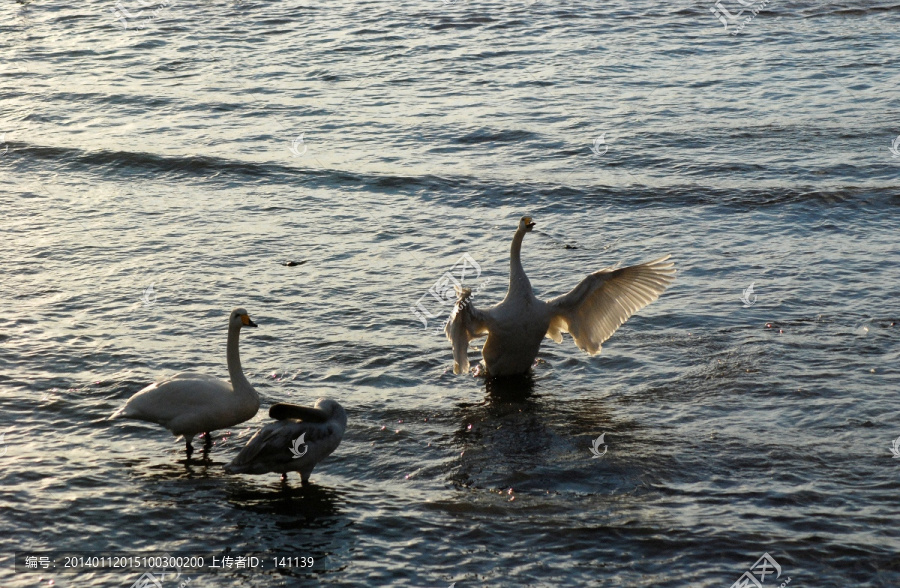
(465, 323)
(604, 300)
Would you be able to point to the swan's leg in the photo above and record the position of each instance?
(207, 444)
(284, 478)
(188, 446)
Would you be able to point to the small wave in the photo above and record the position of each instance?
(467, 191)
(495, 136)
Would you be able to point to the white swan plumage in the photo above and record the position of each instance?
(591, 312)
(274, 448)
(191, 403)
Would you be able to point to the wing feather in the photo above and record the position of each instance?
(465, 323)
(604, 300)
(270, 438)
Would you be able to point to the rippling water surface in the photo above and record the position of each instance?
(160, 162)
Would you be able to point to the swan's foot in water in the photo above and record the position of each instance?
(284, 478)
(188, 447)
(480, 371)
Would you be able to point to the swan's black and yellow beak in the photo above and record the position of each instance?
(247, 321)
(529, 224)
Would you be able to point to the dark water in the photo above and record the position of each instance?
(169, 155)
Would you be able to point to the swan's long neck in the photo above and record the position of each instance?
(518, 281)
(238, 379)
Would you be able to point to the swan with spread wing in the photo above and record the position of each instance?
(591, 312)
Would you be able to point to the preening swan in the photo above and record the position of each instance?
(299, 439)
(591, 312)
(190, 403)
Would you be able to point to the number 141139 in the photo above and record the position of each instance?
(293, 562)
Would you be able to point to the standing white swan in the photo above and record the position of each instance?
(299, 439)
(591, 312)
(190, 403)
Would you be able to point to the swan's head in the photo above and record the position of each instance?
(526, 224)
(334, 410)
(240, 318)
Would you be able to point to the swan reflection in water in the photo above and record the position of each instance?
(526, 437)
